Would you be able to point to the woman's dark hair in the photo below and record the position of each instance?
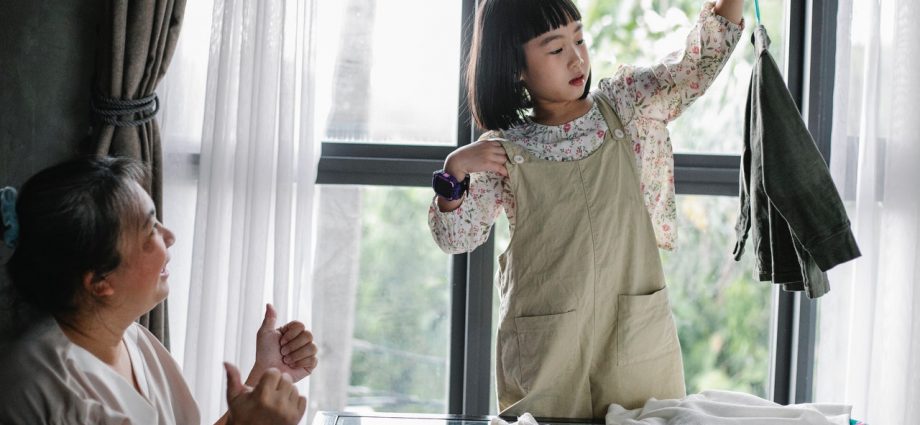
(497, 97)
(71, 217)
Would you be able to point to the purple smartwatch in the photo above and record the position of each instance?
(448, 187)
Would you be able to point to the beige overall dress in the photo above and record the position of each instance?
(584, 319)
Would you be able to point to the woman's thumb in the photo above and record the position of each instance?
(234, 385)
(268, 323)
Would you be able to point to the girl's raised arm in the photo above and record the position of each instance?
(663, 91)
(730, 9)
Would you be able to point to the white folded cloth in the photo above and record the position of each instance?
(727, 407)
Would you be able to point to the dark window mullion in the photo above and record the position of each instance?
(784, 344)
(818, 103)
(796, 316)
(398, 165)
(465, 394)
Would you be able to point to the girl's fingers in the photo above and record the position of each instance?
(500, 157)
(497, 168)
(497, 149)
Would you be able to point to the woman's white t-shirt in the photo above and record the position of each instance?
(47, 379)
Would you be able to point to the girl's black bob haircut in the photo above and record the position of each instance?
(497, 97)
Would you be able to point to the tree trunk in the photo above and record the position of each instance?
(338, 253)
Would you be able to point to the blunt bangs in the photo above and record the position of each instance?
(537, 17)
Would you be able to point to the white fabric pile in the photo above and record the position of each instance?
(726, 407)
(717, 408)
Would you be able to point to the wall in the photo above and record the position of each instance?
(46, 67)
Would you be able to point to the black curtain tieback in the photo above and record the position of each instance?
(125, 113)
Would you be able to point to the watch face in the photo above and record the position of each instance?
(445, 187)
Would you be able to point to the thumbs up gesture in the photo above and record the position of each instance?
(288, 348)
(274, 400)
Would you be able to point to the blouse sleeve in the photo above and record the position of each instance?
(468, 226)
(664, 90)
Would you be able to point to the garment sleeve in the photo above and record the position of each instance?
(664, 90)
(467, 227)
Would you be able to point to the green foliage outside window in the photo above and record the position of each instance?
(402, 314)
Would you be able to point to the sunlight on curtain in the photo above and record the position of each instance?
(182, 94)
(868, 351)
(252, 237)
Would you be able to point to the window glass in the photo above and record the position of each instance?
(723, 314)
(389, 71)
(642, 33)
(384, 288)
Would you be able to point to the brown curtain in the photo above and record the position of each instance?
(136, 41)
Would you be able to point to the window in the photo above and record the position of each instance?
(416, 326)
(388, 71)
(387, 297)
(643, 33)
(388, 95)
(724, 316)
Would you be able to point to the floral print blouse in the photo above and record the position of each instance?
(645, 98)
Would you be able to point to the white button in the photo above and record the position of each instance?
(519, 159)
(618, 133)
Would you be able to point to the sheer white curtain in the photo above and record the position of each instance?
(254, 219)
(868, 352)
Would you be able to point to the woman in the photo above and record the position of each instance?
(92, 257)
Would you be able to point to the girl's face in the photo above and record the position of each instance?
(557, 65)
(140, 281)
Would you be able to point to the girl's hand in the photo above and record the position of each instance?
(274, 399)
(483, 155)
(290, 349)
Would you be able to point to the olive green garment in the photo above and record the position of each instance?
(584, 319)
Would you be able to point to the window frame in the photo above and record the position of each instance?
(810, 77)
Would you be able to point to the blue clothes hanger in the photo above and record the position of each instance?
(757, 11)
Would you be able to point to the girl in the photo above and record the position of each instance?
(587, 184)
(91, 256)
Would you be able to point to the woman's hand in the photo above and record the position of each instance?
(483, 155)
(274, 400)
(290, 349)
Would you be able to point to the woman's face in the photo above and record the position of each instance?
(140, 281)
(557, 64)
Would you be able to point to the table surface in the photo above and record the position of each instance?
(349, 418)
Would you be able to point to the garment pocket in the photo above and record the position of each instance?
(547, 348)
(645, 328)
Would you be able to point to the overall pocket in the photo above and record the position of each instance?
(547, 348)
(645, 328)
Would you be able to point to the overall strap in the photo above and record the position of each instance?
(610, 115)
